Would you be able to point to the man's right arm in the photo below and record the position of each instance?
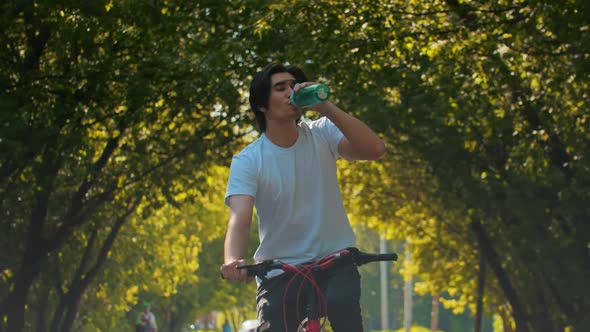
(236, 239)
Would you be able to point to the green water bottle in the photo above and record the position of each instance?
(310, 95)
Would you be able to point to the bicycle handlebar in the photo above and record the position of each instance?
(378, 257)
(348, 255)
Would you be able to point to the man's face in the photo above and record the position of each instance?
(279, 109)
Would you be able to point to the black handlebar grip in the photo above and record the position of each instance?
(260, 269)
(382, 257)
(249, 269)
(387, 257)
(252, 273)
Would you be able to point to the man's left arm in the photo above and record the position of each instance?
(359, 142)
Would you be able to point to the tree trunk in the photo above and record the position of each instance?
(13, 306)
(434, 313)
(480, 291)
(492, 258)
(41, 310)
(408, 293)
(84, 277)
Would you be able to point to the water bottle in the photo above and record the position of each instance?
(310, 95)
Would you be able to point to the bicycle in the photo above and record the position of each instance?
(315, 305)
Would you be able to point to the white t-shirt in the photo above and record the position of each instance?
(297, 197)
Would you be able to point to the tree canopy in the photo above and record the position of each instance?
(116, 116)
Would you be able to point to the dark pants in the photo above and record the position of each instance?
(340, 288)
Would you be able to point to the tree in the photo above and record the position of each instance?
(108, 115)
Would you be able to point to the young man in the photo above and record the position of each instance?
(289, 174)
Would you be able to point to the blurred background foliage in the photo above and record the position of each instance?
(119, 119)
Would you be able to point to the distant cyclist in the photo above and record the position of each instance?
(146, 322)
(289, 175)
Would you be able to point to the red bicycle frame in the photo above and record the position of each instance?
(316, 307)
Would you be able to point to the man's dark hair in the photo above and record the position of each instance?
(260, 88)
